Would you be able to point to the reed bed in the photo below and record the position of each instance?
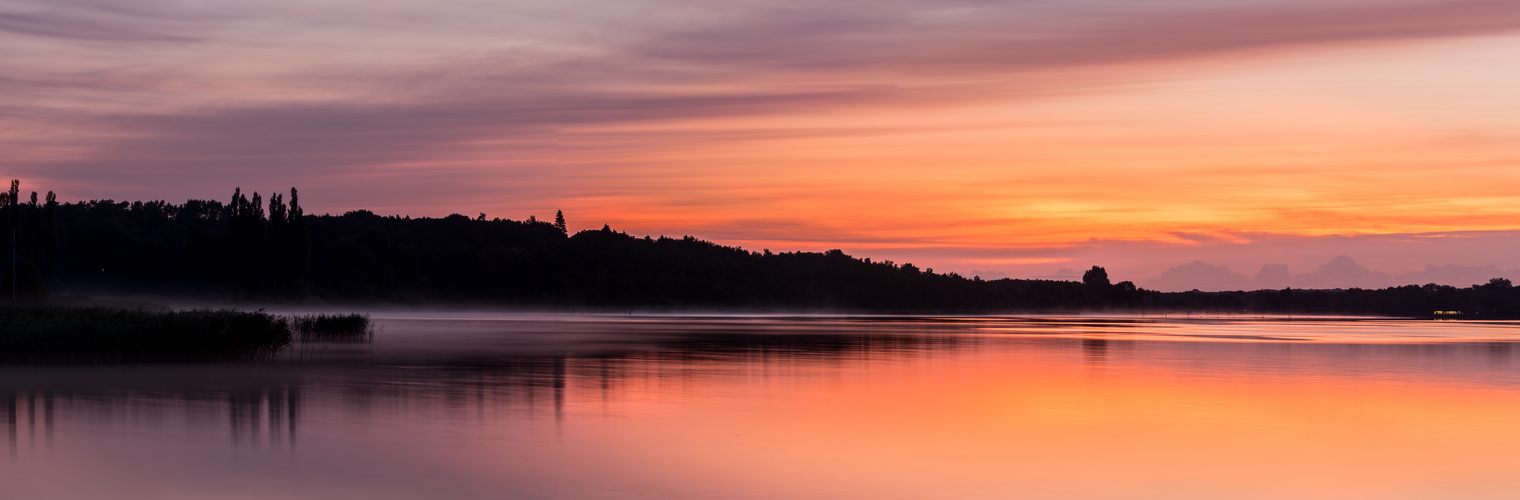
(332, 327)
(56, 333)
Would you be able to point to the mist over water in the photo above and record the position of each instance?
(541, 406)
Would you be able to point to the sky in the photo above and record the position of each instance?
(1178, 143)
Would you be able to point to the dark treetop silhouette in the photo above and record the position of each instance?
(253, 250)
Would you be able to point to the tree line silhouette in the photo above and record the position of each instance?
(30, 229)
(252, 249)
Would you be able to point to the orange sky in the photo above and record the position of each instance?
(1007, 138)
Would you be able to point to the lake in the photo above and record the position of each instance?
(454, 405)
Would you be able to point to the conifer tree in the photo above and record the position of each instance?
(298, 245)
(277, 245)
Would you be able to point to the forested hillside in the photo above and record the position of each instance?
(259, 250)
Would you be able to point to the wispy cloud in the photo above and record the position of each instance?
(88, 21)
(421, 107)
(988, 37)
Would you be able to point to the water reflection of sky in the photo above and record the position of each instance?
(728, 407)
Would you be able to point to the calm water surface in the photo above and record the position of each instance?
(587, 407)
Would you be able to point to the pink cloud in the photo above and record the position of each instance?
(427, 109)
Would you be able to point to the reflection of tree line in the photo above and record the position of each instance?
(14, 408)
(254, 415)
(278, 408)
(533, 387)
(271, 415)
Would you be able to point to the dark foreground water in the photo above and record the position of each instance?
(586, 407)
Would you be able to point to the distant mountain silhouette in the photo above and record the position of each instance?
(988, 275)
(1201, 276)
(1341, 272)
(1272, 276)
(1454, 275)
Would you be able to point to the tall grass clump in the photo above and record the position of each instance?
(53, 333)
(332, 327)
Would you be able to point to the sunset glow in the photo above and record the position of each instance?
(1006, 139)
